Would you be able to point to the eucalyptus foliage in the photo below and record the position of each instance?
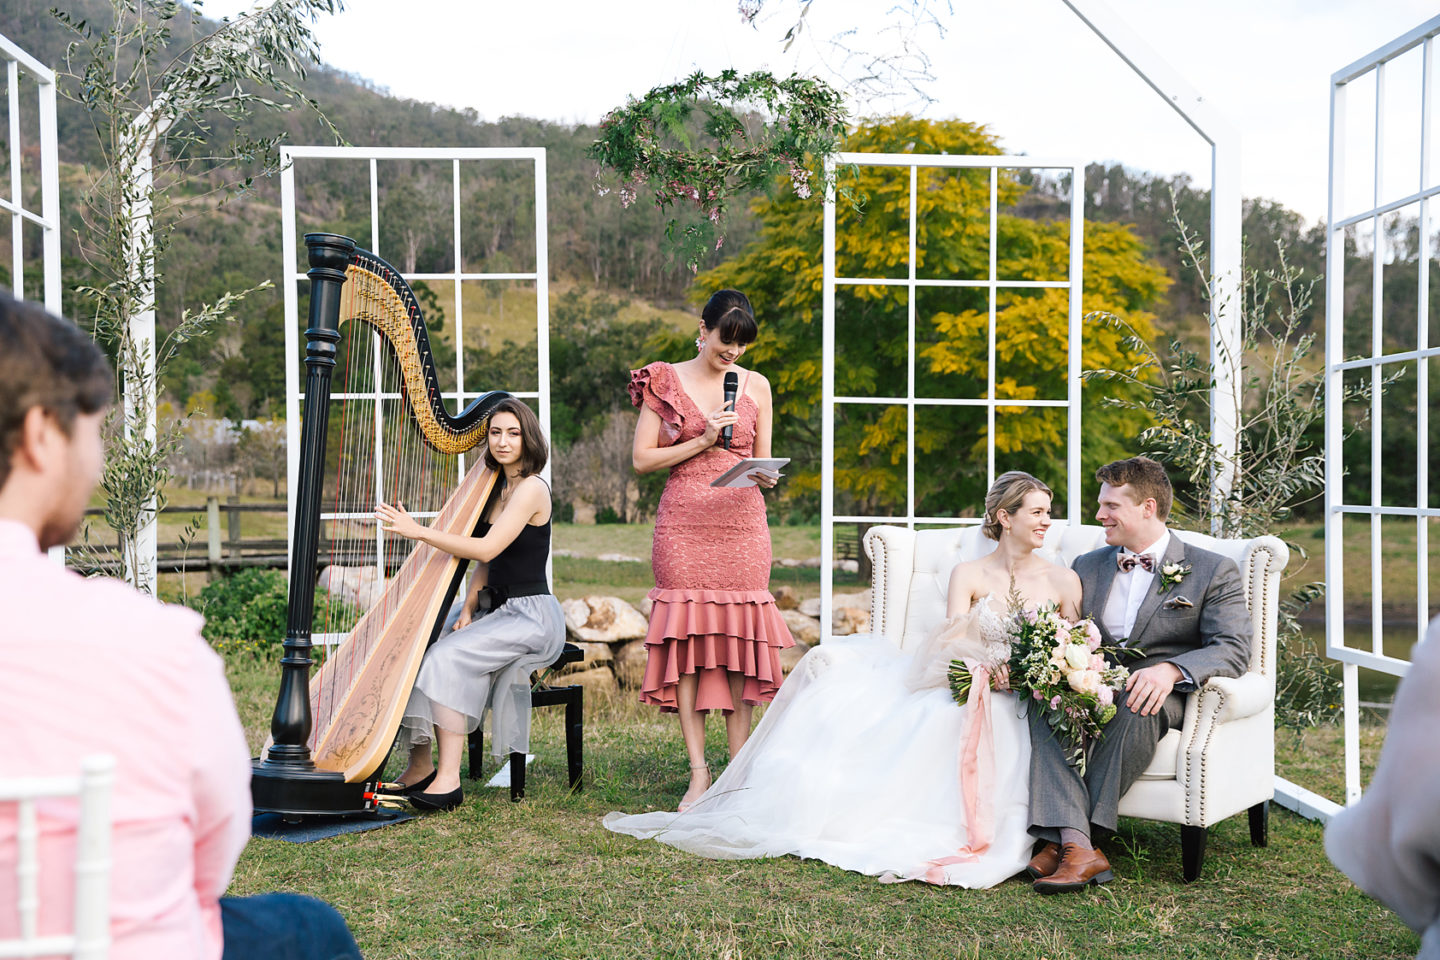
(170, 103)
(1279, 461)
(707, 140)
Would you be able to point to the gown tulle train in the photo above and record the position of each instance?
(858, 762)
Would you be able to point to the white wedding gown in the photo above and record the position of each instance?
(857, 763)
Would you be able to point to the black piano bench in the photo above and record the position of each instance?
(545, 695)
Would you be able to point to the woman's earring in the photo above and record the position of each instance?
(699, 344)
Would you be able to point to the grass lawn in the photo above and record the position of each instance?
(544, 879)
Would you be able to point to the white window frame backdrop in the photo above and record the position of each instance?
(47, 218)
(1384, 198)
(829, 401)
(294, 348)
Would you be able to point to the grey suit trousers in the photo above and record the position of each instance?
(1057, 791)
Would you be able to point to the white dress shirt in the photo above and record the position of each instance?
(1129, 590)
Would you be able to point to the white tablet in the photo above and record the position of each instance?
(739, 475)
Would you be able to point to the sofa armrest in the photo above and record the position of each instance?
(892, 564)
(1223, 699)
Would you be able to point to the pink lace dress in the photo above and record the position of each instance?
(713, 612)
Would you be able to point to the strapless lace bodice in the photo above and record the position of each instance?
(993, 632)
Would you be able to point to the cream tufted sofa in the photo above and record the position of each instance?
(1221, 760)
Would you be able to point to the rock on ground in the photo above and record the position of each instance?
(596, 654)
(603, 620)
(629, 665)
(786, 597)
(359, 586)
(804, 629)
(791, 656)
(850, 613)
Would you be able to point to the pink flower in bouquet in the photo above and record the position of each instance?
(1097, 663)
(1106, 695)
(1084, 681)
(1055, 702)
(1037, 694)
(1092, 635)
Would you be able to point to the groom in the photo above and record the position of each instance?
(1180, 611)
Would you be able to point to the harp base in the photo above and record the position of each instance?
(297, 793)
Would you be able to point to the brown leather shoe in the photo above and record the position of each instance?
(1045, 862)
(1078, 869)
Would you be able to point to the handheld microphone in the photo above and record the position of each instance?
(732, 386)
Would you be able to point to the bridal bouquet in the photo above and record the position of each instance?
(1062, 666)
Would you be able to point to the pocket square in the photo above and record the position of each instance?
(1177, 603)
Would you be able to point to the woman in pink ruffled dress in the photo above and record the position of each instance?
(715, 632)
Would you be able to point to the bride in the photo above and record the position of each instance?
(865, 761)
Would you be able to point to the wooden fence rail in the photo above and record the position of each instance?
(223, 548)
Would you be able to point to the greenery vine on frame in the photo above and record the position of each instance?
(654, 144)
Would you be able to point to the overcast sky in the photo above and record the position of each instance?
(1030, 69)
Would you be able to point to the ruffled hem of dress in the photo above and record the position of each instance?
(713, 633)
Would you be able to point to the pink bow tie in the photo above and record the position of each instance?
(1128, 561)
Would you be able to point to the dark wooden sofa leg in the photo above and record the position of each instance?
(1260, 824)
(517, 777)
(1192, 851)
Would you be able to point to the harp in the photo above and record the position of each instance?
(330, 734)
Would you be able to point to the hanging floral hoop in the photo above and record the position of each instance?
(649, 145)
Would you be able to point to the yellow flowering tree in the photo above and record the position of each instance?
(782, 272)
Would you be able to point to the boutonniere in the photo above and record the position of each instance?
(1171, 574)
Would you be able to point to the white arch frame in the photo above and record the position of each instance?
(17, 61)
(829, 401)
(460, 396)
(1374, 658)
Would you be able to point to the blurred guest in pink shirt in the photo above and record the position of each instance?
(91, 666)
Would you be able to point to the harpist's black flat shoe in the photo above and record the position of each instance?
(437, 801)
(420, 784)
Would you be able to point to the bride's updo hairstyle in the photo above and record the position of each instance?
(729, 314)
(1008, 493)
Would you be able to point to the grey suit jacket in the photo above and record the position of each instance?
(1209, 638)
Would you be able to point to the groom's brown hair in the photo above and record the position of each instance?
(1147, 479)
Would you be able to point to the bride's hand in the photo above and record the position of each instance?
(1000, 677)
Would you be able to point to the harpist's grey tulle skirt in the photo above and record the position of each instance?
(485, 666)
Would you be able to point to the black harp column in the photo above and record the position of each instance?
(287, 780)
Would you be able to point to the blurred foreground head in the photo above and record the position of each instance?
(55, 385)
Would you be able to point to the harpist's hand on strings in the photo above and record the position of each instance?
(395, 520)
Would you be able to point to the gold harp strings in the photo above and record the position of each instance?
(380, 455)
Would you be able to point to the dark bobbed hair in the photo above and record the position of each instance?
(728, 313)
(1008, 493)
(1147, 480)
(46, 362)
(535, 451)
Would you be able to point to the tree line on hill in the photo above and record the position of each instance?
(608, 255)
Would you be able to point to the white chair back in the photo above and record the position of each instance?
(90, 931)
(906, 612)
